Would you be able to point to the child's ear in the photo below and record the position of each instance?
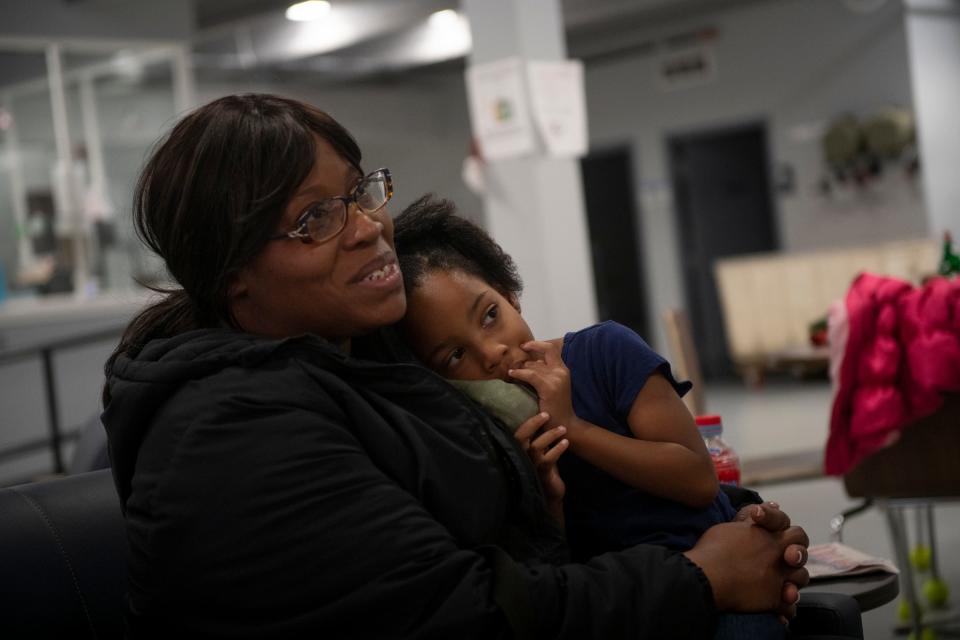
(514, 301)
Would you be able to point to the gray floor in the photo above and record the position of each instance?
(791, 416)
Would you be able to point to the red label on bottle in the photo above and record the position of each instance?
(728, 474)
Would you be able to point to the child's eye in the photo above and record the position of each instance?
(455, 357)
(490, 315)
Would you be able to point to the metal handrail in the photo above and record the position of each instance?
(45, 351)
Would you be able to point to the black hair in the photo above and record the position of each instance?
(430, 236)
(211, 195)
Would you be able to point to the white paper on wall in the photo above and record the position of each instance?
(499, 112)
(558, 105)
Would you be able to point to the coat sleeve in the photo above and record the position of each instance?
(286, 519)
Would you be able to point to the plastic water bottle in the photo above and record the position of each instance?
(725, 459)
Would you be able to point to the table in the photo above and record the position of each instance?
(917, 471)
(870, 590)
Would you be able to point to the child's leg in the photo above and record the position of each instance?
(750, 626)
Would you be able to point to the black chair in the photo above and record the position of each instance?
(62, 559)
(63, 566)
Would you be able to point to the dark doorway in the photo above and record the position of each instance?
(611, 220)
(724, 208)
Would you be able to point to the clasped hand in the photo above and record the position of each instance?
(755, 562)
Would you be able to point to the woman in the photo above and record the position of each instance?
(284, 471)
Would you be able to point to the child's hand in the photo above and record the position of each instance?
(544, 450)
(551, 379)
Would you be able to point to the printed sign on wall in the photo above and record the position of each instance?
(499, 112)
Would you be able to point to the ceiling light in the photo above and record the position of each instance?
(308, 11)
(445, 19)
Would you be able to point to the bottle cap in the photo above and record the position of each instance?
(709, 425)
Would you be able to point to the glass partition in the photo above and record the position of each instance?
(75, 127)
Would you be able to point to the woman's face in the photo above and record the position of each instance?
(347, 286)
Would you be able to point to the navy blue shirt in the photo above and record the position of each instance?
(609, 364)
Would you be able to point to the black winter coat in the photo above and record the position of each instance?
(284, 489)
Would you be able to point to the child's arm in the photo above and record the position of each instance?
(666, 457)
(544, 451)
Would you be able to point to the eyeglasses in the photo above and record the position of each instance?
(324, 219)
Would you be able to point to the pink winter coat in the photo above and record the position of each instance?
(902, 355)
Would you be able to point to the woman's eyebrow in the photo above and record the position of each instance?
(354, 176)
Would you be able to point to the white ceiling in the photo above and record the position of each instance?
(242, 35)
(372, 37)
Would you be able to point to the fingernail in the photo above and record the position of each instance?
(758, 513)
(798, 598)
(799, 557)
(544, 415)
(773, 504)
(561, 429)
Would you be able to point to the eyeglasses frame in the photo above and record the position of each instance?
(301, 224)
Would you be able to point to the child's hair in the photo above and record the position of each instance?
(430, 236)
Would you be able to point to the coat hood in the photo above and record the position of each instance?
(139, 385)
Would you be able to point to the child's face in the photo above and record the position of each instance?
(462, 328)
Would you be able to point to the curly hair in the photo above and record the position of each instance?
(430, 236)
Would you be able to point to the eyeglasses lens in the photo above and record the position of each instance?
(371, 194)
(325, 219)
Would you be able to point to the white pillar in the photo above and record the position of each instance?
(69, 217)
(933, 45)
(184, 87)
(18, 191)
(534, 203)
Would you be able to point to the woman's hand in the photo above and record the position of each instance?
(769, 516)
(551, 379)
(751, 568)
(544, 450)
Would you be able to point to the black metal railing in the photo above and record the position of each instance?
(45, 351)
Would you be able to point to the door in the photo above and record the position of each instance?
(724, 208)
(611, 220)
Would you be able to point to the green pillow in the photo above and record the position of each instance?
(514, 404)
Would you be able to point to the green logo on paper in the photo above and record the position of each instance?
(502, 110)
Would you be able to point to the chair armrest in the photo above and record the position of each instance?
(827, 616)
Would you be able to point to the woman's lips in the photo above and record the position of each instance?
(375, 268)
(386, 272)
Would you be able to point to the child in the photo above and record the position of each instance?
(637, 469)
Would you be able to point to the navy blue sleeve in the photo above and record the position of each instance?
(628, 362)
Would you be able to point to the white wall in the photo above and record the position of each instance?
(792, 64)
(933, 28)
(115, 19)
(417, 126)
